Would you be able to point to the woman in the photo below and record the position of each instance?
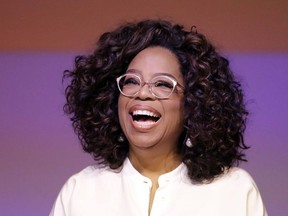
(163, 116)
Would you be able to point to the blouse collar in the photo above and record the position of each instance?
(180, 172)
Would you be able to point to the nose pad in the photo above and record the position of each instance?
(145, 93)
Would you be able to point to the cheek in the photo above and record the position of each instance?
(180, 113)
(176, 112)
(179, 105)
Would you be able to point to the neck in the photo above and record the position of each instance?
(151, 163)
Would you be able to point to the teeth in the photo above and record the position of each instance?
(145, 124)
(144, 112)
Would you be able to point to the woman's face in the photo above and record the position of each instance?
(149, 122)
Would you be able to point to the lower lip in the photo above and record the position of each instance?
(143, 125)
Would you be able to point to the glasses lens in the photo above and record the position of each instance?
(162, 86)
(129, 84)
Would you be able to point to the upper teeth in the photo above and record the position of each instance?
(144, 112)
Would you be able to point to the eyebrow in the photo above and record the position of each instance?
(135, 71)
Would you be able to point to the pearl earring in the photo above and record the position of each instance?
(120, 138)
(188, 142)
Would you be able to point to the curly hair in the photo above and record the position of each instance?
(214, 111)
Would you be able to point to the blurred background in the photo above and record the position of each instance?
(39, 39)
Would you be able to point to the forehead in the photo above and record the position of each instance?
(153, 61)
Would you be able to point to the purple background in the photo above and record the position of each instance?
(38, 150)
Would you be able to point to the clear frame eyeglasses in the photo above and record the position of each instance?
(161, 86)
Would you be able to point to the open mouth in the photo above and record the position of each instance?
(145, 116)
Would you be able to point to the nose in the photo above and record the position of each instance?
(145, 93)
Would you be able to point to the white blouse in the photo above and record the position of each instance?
(97, 191)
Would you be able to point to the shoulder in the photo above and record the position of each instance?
(235, 175)
(239, 176)
(91, 172)
(95, 171)
(245, 190)
(89, 176)
(92, 178)
(236, 180)
(85, 188)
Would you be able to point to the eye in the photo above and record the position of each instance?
(163, 84)
(131, 81)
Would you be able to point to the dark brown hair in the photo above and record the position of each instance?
(214, 113)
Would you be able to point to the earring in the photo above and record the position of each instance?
(188, 142)
(120, 138)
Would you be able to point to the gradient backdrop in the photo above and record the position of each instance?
(39, 39)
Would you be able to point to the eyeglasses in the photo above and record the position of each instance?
(160, 86)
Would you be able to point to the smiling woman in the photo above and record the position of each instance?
(165, 103)
(163, 116)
